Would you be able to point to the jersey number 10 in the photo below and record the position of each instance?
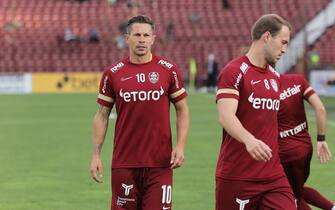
(140, 77)
(166, 195)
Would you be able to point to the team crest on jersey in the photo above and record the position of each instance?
(153, 77)
(274, 85)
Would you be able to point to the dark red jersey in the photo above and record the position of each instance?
(292, 122)
(142, 94)
(257, 92)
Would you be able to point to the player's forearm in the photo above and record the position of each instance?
(321, 120)
(234, 128)
(183, 124)
(100, 125)
(227, 108)
(320, 113)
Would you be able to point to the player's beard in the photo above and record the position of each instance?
(271, 62)
(270, 59)
(270, 55)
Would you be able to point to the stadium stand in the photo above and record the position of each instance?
(32, 31)
(325, 46)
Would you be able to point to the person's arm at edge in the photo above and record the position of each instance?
(322, 149)
(99, 129)
(227, 108)
(183, 124)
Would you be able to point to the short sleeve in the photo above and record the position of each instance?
(307, 89)
(106, 95)
(228, 84)
(176, 91)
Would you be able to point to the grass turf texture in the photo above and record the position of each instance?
(45, 147)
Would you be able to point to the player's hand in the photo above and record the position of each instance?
(258, 150)
(96, 169)
(177, 157)
(323, 151)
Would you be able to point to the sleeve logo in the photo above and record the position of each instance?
(238, 80)
(165, 63)
(116, 67)
(176, 79)
(105, 84)
(244, 68)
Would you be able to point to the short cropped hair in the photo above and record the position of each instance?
(140, 19)
(271, 23)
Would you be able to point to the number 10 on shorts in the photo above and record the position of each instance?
(167, 194)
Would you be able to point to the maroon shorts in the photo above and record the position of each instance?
(297, 172)
(141, 189)
(254, 195)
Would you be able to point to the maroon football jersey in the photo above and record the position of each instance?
(142, 95)
(257, 92)
(292, 122)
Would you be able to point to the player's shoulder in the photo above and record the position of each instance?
(237, 65)
(292, 77)
(165, 63)
(116, 67)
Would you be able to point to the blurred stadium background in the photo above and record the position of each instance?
(62, 46)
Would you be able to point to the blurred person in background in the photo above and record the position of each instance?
(225, 4)
(141, 87)
(212, 72)
(70, 36)
(169, 32)
(313, 58)
(120, 40)
(248, 173)
(93, 35)
(295, 145)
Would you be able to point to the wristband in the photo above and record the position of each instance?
(321, 137)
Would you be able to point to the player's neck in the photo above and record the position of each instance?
(140, 59)
(256, 56)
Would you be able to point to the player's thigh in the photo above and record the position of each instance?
(297, 172)
(278, 200)
(239, 195)
(125, 192)
(278, 195)
(303, 205)
(157, 189)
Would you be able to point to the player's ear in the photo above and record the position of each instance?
(153, 38)
(266, 36)
(126, 37)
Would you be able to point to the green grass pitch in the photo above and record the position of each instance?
(45, 151)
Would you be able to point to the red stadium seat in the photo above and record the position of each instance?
(222, 31)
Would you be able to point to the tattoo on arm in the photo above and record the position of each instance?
(104, 110)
